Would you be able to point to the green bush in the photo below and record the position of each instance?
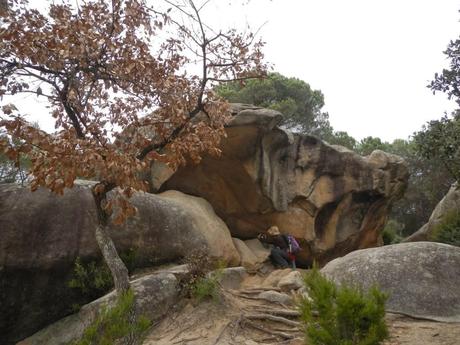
(341, 315)
(93, 279)
(391, 232)
(207, 287)
(448, 230)
(202, 279)
(130, 259)
(116, 324)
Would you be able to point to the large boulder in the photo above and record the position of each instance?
(42, 234)
(333, 200)
(248, 258)
(421, 278)
(154, 296)
(450, 203)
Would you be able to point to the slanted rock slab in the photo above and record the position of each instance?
(450, 203)
(258, 249)
(248, 258)
(155, 295)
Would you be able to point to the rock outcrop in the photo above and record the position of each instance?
(330, 198)
(252, 253)
(155, 295)
(421, 278)
(450, 203)
(42, 234)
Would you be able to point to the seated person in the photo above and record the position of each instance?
(282, 253)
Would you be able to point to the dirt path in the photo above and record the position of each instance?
(257, 313)
(233, 320)
(408, 331)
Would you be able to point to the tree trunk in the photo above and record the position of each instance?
(3, 7)
(109, 251)
(112, 259)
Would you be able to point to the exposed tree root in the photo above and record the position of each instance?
(272, 318)
(221, 333)
(238, 294)
(259, 289)
(185, 340)
(280, 312)
(283, 335)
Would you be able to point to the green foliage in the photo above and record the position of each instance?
(343, 139)
(448, 81)
(207, 287)
(440, 139)
(92, 279)
(293, 97)
(429, 181)
(118, 322)
(392, 232)
(203, 277)
(341, 315)
(448, 230)
(13, 171)
(369, 144)
(130, 259)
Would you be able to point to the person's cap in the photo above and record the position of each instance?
(273, 231)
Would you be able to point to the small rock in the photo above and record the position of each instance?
(303, 293)
(274, 278)
(292, 281)
(232, 277)
(258, 249)
(275, 297)
(248, 258)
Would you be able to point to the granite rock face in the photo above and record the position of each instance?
(42, 234)
(450, 203)
(155, 295)
(330, 198)
(421, 278)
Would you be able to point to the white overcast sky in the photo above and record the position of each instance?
(372, 59)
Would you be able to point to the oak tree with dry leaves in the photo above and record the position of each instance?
(119, 88)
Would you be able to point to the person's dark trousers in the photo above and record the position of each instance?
(279, 258)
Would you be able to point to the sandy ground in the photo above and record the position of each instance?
(238, 317)
(408, 331)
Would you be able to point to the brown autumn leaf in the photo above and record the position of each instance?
(118, 102)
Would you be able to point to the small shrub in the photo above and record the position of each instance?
(200, 282)
(448, 230)
(389, 236)
(341, 315)
(391, 232)
(207, 287)
(93, 279)
(130, 259)
(115, 324)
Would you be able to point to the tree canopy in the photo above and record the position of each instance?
(448, 80)
(116, 78)
(440, 139)
(294, 98)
